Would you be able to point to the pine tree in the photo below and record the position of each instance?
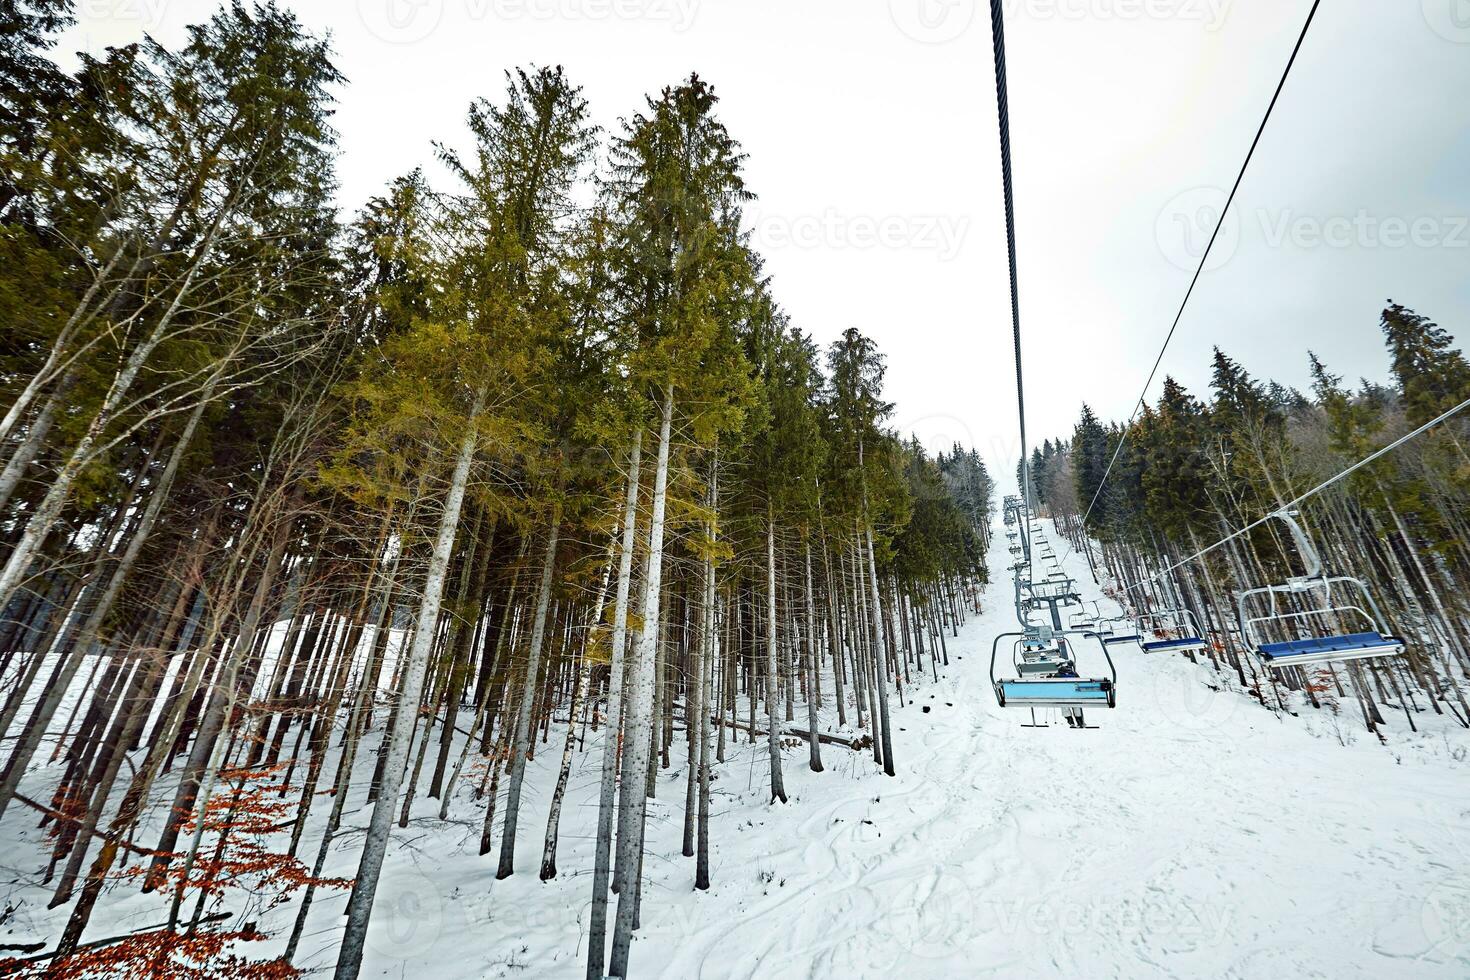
(678, 188)
(1433, 376)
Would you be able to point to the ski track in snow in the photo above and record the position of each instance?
(1193, 834)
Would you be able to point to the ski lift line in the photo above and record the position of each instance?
(1199, 271)
(1366, 460)
(998, 41)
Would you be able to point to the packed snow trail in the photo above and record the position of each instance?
(1193, 834)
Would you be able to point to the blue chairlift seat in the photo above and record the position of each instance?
(1181, 644)
(1054, 692)
(1122, 638)
(1350, 646)
(1047, 674)
(1319, 595)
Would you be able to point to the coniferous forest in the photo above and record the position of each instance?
(1189, 471)
(514, 501)
(473, 469)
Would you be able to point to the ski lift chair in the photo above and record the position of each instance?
(1057, 588)
(1086, 621)
(1057, 691)
(1329, 599)
(1173, 631)
(1043, 654)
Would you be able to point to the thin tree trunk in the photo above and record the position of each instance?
(812, 668)
(706, 681)
(613, 729)
(778, 790)
(522, 746)
(630, 844)
(375, 845)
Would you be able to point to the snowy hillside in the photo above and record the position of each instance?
(1193, 834)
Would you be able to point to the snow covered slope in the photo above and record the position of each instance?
(1193, 834)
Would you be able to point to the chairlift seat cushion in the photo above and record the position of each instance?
(1183, 643)
(1122, 638)
(1350, 646)
(1055, 691)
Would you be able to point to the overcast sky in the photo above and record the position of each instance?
(871, 130)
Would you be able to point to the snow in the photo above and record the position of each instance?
(1194, 833)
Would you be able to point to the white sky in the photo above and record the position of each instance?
(870, 126)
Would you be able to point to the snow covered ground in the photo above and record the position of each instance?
(1193, 834)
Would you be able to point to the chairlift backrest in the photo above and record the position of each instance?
(1326, 607)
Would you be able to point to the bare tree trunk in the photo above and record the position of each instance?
(813, 669)
(45, 710)
(613, 731)
(773, 680)
(17, 564)
(879, 656)
(548, 850)
(706, 681)
(522, 746)
(630, 844)
(375, 845)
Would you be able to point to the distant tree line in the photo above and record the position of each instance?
(1193, 471)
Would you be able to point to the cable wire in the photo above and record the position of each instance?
(998, 39)
(1204, 258)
